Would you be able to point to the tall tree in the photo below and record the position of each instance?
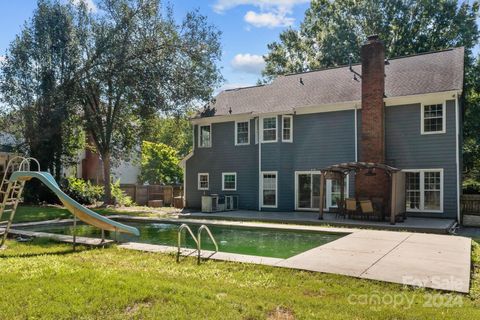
(138, 61)
(37, 87)
(332, 31)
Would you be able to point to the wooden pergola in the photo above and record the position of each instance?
(340, 171)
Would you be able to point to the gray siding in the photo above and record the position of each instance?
(407, 148)
(320, 140)
(224, 156)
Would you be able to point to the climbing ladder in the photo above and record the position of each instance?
(11, 193)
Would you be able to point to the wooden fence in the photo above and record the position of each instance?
(470, 208)
(142, 194)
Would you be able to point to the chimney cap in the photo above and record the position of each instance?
(373, 37)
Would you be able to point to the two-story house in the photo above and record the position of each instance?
(267, 143)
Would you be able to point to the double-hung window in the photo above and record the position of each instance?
(287, 128)
(269, 189)
(433, 118)
(203, 181)
(229, 181)
(205, 136)
(424, 190)
(269, 129)
(242, 133)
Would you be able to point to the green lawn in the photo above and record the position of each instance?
(39, 213)
(47, 280)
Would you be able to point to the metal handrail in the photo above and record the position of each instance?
(179, 238)
(199, 237)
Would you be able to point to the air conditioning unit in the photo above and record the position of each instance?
(213, 203)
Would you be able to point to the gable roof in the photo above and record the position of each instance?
(438, 71)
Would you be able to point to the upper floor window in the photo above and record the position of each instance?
(229, 181)
(287, 128)
(433, 118)
(203, 181)
(269, 129)
(205, 136)
(242, 133)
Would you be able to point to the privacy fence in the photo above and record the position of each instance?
(470, 206)
(143, 194)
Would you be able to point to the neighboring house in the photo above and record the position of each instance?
(267, 143)
(90, 167)
(7, 150)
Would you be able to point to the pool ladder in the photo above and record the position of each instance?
(197, 240)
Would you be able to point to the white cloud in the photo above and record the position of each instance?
(273, 13)
(90, 4)
(286, 5)
(268, 19)
(249, 63)
(2, 59)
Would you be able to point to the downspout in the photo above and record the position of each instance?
(457, 158)
(356, 134)
(259, 166)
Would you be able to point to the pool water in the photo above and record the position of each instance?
(277, 243)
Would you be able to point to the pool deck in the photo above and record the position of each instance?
(413, 224)
(409, 258)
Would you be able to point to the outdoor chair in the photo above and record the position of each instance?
(351, 207)
(368, 209)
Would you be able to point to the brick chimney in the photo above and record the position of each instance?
(372, 142)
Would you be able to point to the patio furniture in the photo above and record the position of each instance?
(340, 210)
(351, 207)
(368, 209)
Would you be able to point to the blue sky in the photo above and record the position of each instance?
(247, 27)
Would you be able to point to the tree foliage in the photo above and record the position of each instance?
(159, 164)
(36, 82)
(174, 131)
(110, 71)
(332, 31)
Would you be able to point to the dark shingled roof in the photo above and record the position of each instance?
(417, 74)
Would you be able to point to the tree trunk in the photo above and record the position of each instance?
(106, 179)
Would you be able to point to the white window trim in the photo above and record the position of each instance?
(444, 117)
(422, 189)
(236, 133)
(200, 138)
(276, 188)
(328, 192)
(291, 128)
(276, 129)
(223, 180)
(198, 180)
(297, 173)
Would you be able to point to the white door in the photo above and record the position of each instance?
(333, 192)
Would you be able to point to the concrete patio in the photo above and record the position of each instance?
(414, 224)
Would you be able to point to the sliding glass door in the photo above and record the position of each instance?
(307, 194)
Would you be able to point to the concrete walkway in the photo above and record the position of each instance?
(414, 224)
(425, 260)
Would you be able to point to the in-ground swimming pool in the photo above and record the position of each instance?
(277, 243)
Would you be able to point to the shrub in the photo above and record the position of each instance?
(471, 186)
(83, 191)
(120, 197)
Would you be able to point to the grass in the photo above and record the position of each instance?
(40, 213)
(45, 280)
